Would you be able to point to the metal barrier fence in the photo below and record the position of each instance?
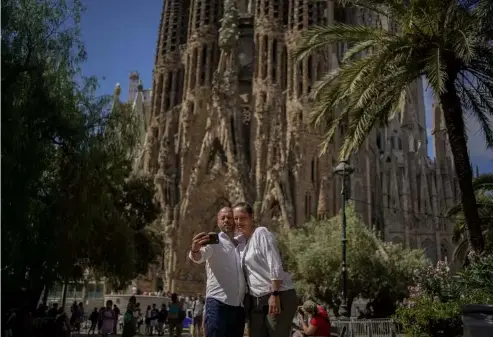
(366, 327)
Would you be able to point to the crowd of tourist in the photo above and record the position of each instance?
(154, 320)
(247, 292)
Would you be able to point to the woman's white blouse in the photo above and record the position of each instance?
(263, 264)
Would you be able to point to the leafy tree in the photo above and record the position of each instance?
(483, 187)
(378, 271)
(68, 199)
(445, 41)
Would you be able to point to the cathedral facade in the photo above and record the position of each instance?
(226, 121)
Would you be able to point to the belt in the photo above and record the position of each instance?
(256, 301)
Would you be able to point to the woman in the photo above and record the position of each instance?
(148, 320)
(129, 326)
(108, 317)
(162, 317)
(138, 319)
(272, 299)
(203, 320)
(100, 319)
(175, 318)
(62, 324)
(319, 321)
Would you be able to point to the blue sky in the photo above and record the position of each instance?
(121, 35)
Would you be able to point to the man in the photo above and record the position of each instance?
(116, 310)
(197, 310)
(225, 316)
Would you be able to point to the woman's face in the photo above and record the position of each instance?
(243, 221)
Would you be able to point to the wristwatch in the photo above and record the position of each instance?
(275, 293)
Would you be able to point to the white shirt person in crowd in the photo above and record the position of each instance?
(225, 315)
(273, 300)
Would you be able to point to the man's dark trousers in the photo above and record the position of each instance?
(222, 320)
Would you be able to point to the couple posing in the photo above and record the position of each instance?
(245, 278)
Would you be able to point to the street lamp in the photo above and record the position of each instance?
(344, 170)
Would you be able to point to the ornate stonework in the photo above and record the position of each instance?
(226, 122)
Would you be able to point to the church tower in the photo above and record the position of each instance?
(228, 123)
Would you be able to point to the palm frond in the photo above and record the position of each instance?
(483, 182)
(463, 45)
(319, 37)
(387, 8)
(461, 251)
(484, 11)
(458, 232)
(454, 210)
(434, 70)
(463, 248)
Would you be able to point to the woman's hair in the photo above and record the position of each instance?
(245, 206)
(310, 307)
(174, 297)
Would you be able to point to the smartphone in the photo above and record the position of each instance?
(213, 239)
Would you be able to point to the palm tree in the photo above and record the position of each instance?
(445, 41)
(483, 187)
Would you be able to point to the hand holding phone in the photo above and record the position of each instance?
(213, 239)
(198, 241)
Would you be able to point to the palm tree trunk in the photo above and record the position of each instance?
(452, 111)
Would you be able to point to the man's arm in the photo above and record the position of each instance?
(202, 255)
(200, 251)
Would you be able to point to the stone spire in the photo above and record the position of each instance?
(323, 211)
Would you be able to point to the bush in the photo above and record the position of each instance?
(434, 306)
(377, 271)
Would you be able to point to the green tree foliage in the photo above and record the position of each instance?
(434, 305)
(448, 42)
(483, 187)
(68, 200)
(378, 271)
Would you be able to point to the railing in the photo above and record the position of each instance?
(366, 327)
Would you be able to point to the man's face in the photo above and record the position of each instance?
(225, 220)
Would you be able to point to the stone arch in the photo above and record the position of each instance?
(445, 250)
(273, 216)
(412, 244)
(217, 157)
(430, 249)
(379, 141)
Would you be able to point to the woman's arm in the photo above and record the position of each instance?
(269, 248)
(308, 329)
